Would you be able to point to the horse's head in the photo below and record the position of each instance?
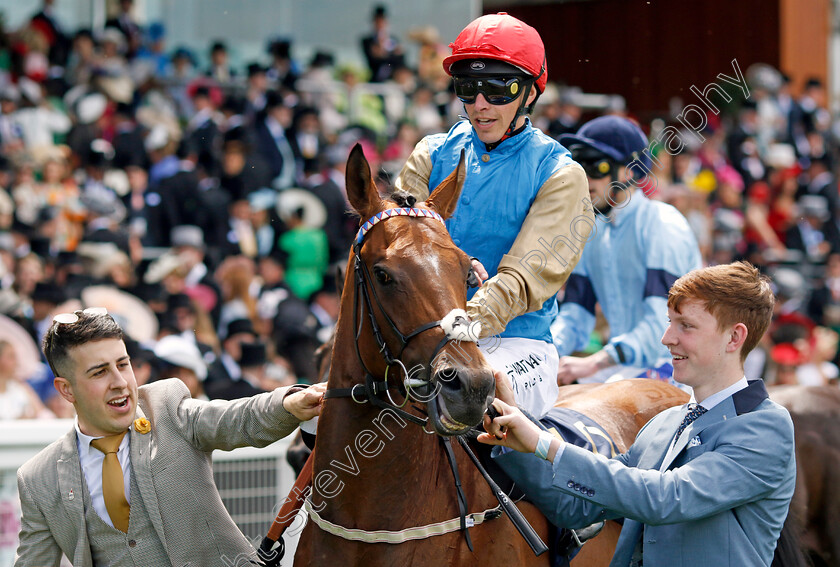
(410, 283)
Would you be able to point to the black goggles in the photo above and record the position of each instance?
(596, 164)
(495, 90)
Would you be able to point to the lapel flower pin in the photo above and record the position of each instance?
(142, 425)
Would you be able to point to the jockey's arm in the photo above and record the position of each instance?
(525, 280)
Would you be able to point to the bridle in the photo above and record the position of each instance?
(456, 326)
(366, 296)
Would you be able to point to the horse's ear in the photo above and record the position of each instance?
(445, 196)
(361, 191)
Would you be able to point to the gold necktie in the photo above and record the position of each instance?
(113, 482)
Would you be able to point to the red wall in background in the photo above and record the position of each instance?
(652, 50)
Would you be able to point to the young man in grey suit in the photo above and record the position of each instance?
(701, 485)
(132, 482)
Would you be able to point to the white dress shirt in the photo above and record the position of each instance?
(91, 461)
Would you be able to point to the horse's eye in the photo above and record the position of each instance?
(382, 276)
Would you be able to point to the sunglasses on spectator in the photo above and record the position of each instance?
(70, 318)
(496, 91)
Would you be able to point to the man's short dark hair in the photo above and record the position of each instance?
(61, 337)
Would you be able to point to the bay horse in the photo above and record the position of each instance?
(379, 468)
(815, 411)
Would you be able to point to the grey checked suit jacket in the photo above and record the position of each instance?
(173, 470)
(720, 497)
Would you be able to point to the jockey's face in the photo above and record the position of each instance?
(491, 121)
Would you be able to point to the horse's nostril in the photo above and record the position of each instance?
(449, 378)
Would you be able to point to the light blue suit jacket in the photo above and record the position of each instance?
(719, 497)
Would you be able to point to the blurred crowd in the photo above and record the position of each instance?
(203, 204)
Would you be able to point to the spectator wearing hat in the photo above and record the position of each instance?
(83, 58)
(307, 249)
(283, 69)
(382, 49)
(819, 180)
(256, 87)
(182, 359)
(253, 362)
(151, 213)
(40, 121)
(11, 132)
(113, 76)
(225, 375)
(220, 69)
(89, 110)
(815, 234)
(824, 303)
(46, 296)
(190, 319)
(125, 23)
(339, 225)
(202, 138)
(242, 173)
(152, 60)
(273, 143)
(637, 250)
(128, 139)
(188, 244)
(160, 148)
(45, 21)
(307, 139)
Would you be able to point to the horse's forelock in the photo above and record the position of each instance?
(403, 198)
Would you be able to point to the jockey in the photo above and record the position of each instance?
(639, 249)
(523, 212)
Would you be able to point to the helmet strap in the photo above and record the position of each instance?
(521, 110)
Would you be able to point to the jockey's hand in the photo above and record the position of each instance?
(572, 368)
(479, 270)
(511, 429)
(305, 404)
(504, 389)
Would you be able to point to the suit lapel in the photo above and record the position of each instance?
(742, 401)
(70, 487)
(658, 445)
(722, 411)
(141, 457)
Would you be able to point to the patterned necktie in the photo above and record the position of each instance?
(113, 482)
(694, 411)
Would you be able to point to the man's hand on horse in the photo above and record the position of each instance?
(510, 428)
(572, 368)
(305, 404)
(479, 271)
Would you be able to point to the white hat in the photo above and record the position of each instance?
(90, 108)
(178, 351)
(157, 138)
(162, 267)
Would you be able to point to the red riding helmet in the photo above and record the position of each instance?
(503, 38)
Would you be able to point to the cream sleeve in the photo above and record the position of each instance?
(543, 255)
(415, 174)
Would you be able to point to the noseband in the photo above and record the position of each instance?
(456, 326)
